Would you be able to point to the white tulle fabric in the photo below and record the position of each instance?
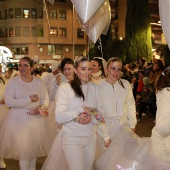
(3, 108)
(129, 152)
(56, 159)
(22, 136)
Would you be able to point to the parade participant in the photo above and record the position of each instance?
(117, 99)
(24, 135)
(98, 71)
(159, 147)
(75, 102)
(4, 109)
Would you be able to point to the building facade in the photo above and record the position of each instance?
(40, 30)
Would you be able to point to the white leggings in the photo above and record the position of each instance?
(79, 151)
(28, 164)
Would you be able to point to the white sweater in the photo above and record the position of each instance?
(68, 107)
(17, 93)
(160, 138)
(118, 102)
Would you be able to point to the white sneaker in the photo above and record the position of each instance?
(2, 163)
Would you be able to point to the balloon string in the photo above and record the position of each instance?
(45, 8)
(100, 46)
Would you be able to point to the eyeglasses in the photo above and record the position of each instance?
(24, 65)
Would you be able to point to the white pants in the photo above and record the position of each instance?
(79, 151)
(27, 164)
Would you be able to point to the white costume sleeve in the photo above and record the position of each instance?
(44, 100)
(10, 99)
(163, 117)
(62, 113)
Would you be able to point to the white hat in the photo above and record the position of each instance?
(54, 65)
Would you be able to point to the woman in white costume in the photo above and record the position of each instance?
(3, 108)
(98, 72)
(159, 146)
(128, 151)
(24, 135)
(67, 69)
(74, 102)
(117, 99)
(117, 102)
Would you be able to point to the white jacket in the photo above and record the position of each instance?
(118, 102)
(69, 106)
(160, 138)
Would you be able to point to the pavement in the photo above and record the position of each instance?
(143, 129)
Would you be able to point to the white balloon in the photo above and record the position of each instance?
(164, 12)
(87, 8)
(99, 23)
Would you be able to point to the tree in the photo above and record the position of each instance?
(138, 42)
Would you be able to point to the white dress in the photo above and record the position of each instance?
(24, 136)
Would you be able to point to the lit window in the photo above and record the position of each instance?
(26, 13)
(80, 33)
(51, 49)
(24, 50)
(62, 14)
(53, 14)
(11, 32)
(20, 50)
(53, 31)
(62, 32)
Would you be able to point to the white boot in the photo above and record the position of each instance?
(2, 163)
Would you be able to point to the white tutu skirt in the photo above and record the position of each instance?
(125, 152)
(3, 113)
(24, 136)
(56, 159)
(152, 163)
(51, 120)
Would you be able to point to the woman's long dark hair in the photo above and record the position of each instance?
(66, 61)
(1, 79)
(112, 60)
(76, 83)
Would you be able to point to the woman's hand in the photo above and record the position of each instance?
(107, 143)
(87, 109)
(34, 112)
(133, 129)
(2, 101)
(34, 98)
(84, 118)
